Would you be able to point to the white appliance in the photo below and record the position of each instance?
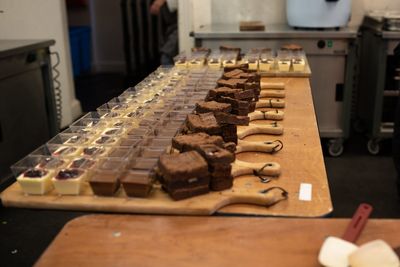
(318, 13)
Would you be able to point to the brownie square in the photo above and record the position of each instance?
(190, 141)
(205, 122)
(224, 91)
(212, 106)
(182, 166)
(183, 193)
(236, 104)
(219, 185)
(226, 118)
(216, 155)
(191, 182)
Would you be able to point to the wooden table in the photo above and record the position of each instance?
(301, 160)
(111, 240)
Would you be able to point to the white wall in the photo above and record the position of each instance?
(107, 36)
(268, 11)
(44, 19)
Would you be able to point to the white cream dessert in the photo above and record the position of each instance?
(95, 151)
(69, 181)
(113, 131)
(228, 62)
(67, 151)
(77, 140)
(36, 181)
(181, 63)
(284, 65)
(196, 63)
(253, 64)
(265, 64)
(298, 64)
(106, 140)
(214, 63)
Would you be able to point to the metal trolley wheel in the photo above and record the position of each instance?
(335, 147)
(373, 146)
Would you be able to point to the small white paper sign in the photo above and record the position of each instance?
(305, 192)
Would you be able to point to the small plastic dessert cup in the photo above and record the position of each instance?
(69, 181)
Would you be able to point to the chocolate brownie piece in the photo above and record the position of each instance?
(212, 106)
(232, 74)
(250, 77)
(183, 193)
(183, 166)
(229, 133)
(232, 83)
(205, 122)
(252, 85)
(216, 155)
(230, 146)
(192, 182)
(220, 168)
(236, 104)
(226, 118)
(224, 91)
(252, 106)
(219, 185)
(190, 141)
(241, 66)
(241, 112)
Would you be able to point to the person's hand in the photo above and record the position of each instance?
(156, 6)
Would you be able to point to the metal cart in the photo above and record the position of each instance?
(378, 83)
(331, 55)
(28, 114)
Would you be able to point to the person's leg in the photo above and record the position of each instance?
(396, 144)
(396, 130)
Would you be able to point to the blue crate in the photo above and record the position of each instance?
(79, 38)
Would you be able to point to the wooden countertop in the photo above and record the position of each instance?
(301, 161)
(123, 240)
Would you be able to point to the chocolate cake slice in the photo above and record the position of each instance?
(232, 83)
(226, 118)
(215, 155)
(236, 104)
(183, 193)
(219, 185)
(205, 122)
(212, 106)
(182, 166)
(224, 91)
(232, 74)
(190, 141)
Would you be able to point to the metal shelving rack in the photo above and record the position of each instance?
(378, 83)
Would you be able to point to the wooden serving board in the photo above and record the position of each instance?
(301, 161)
(201, 241)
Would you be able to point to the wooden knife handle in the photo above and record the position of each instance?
(261, 146)
(275, 115)
(272, 128)
(240, 168)
(270, 103)
(272, 93)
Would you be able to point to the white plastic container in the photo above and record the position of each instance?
(318, 13)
